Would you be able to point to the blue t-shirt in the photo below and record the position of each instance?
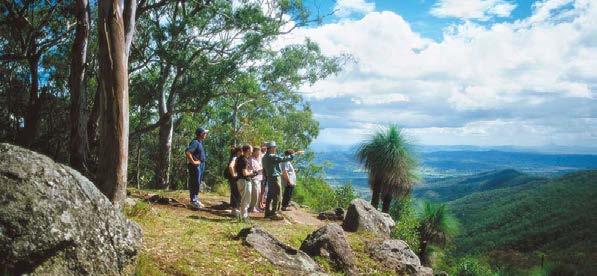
(196, 149)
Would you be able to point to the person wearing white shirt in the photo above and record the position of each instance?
(288, 180)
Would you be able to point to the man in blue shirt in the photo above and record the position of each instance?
(195, 155)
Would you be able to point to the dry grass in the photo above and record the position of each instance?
(178, 241)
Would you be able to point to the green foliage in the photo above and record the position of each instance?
(316, 193)
(344, 195)
(516, 225)
(451, 188)
(471, 266)
(140, 209)
(437, 225)
(388, 158)
(407, 221)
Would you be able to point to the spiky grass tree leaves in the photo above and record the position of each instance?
(437, 227)
(390, 162)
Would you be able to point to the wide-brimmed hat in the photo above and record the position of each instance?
(271, 144)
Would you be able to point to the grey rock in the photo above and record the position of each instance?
(397, 255)
(333, 214)
(329, 241)
(130, 201)
(55, 221)
(361, 216)
(288, 259)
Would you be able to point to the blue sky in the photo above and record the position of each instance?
(458, 72)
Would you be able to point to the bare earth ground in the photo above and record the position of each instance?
(180, 241)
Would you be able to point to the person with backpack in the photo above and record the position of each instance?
(271, 165)
(195, 154)
(244, 181)
(231, 175)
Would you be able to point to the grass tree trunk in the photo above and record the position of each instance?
(423, 254)
(386, 202)
(114, 102)
(375, 184)
(78, 101)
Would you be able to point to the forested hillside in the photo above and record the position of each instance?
(517, 225)
(447, 189)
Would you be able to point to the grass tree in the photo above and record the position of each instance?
(437, 227)
(391, 165)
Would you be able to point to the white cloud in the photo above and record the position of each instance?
(473, 9)
(502, 75)
(380, 99)
(347, 8)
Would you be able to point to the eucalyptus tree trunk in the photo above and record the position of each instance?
(164, 154)
(78, 102)
(32, 118)
(166, 130)
(114, 100)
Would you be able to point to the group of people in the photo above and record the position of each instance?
(255, 175)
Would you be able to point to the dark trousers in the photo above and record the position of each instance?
(234, 193)
(273, 196)
(195, 174)
(287, 195)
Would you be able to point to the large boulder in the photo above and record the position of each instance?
(54, 221)
(329, 241)
(362, 216)
(396, 254)
(288, 259)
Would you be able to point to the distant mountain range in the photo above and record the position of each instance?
(550, 149)
(452, 188)
(341, 166)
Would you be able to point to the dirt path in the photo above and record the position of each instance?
(216, 207)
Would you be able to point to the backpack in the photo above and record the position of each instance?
(226, 170)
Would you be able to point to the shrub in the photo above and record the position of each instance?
(316, 193)
(404, 214)
(140, 209)
(221, 187)
(344, 195)
(471, 266)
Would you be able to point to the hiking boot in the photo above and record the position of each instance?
(285, 209)
(195, 205)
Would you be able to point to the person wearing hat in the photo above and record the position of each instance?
(195, 154)
(271, 167)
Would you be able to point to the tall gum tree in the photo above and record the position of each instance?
(78, 92)
(114, 28)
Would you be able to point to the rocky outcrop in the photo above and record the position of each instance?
(397, 255)
(288, 259)
(361, 216)
(334, 214)
(54, 221)
(329, 241)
